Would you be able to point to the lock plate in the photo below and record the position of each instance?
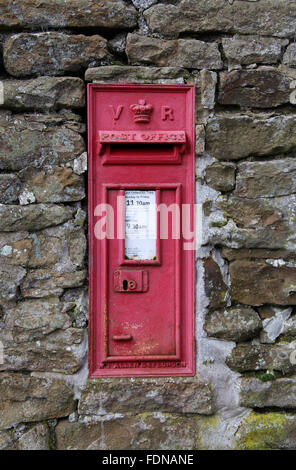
(128, 280)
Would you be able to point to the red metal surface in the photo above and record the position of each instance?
(141, 137)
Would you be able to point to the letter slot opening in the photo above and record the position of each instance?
(141, 147)
(142, 150)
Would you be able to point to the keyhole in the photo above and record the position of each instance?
(125, 284)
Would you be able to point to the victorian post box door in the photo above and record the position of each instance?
(141, 206)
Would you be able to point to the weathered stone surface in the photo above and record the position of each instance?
(52, 53)
(143, 431)
(79, 164)
(290, 56)
(64, 117)
(205, 83)
(35, 140)
(232, 137)
(72, 236)
(10, 279)
(289, 329)
(260, 88)
(33, 217)
(233, 324)
(26, 197)
(280, 393)
(249, 430)
(59, 251)
(37, 438)
(257, 283)
(277, 323)
(200, 140)
(278, 214)
(251, 357)
(221, 176)
(26, 399)
(136, 74)
(231, 255)
(6, 441)
(55, 184)
(33, 319)
(45, 282)
(173, 395)
(14, 248)
(254, 223)
(188, 53)
(246, 50)
(60, 351)
(45, 251)
(76, 305)
(208, 82)
(231, 236)
(266, 179)
(270, 311)
(266, 18)
(110, 14)
(215, 288)
(9, 188)
(43, 93)
(30, 250)
(267, 431)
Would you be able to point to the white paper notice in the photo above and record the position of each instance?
(140, 225)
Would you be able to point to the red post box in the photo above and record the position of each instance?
(141, 224)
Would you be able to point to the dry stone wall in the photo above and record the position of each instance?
(241, 56)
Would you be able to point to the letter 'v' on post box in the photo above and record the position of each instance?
(141, 230)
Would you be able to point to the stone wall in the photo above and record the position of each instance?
(241, 56)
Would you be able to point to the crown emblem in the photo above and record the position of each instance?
(142, 111)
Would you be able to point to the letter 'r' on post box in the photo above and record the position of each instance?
(141, 223)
